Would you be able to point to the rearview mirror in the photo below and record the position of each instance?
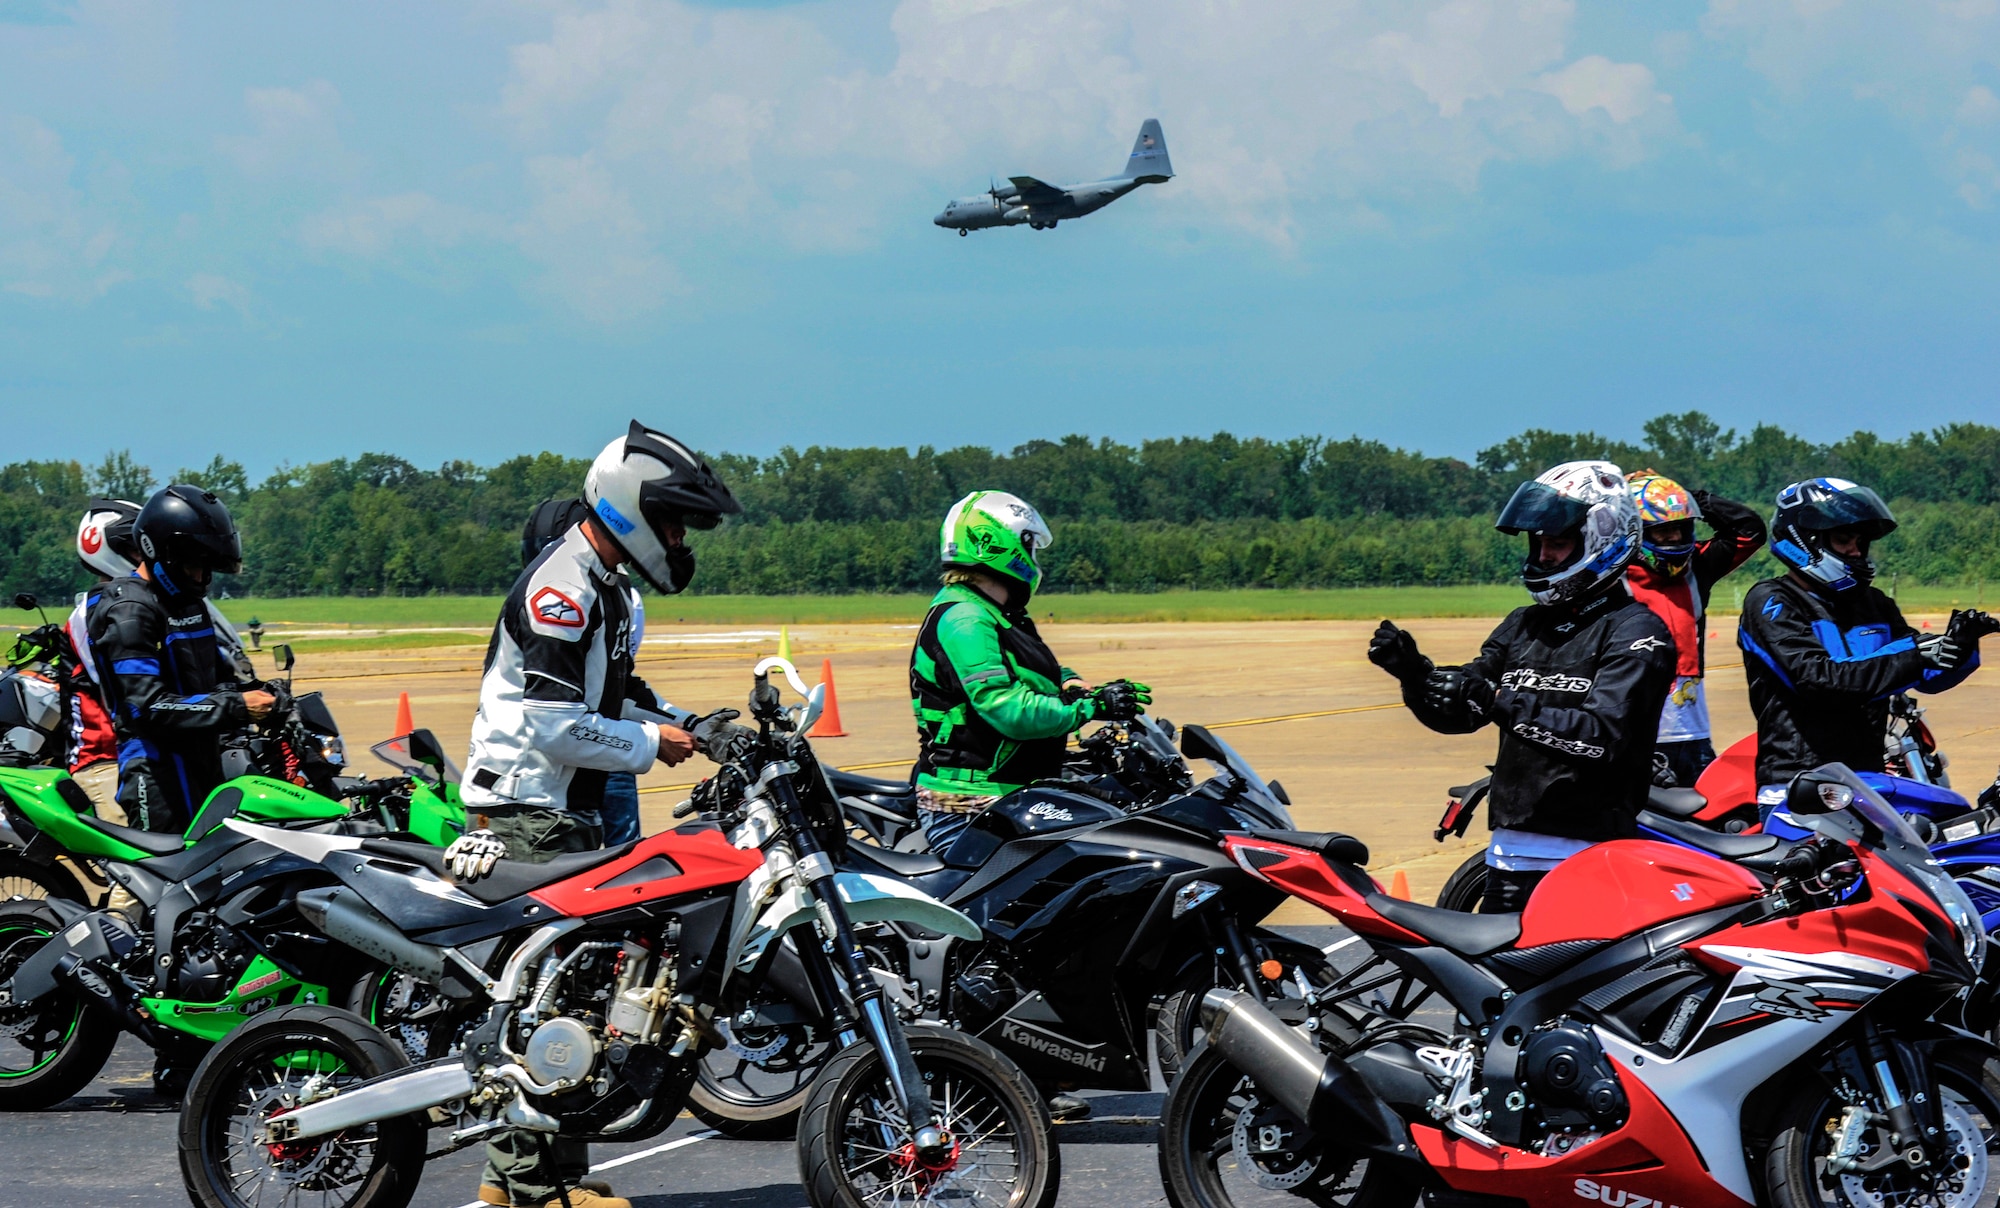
(1817, 792)
(26, 602)
(282, 652)
(1197, 743)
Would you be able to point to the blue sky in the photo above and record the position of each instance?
(469, 230)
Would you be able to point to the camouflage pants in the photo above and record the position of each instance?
(530, 1166)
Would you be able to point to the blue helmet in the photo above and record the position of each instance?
(1809, 510)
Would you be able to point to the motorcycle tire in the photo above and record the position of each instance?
(1466, 888)
(724, 1098)
(1177, 1029)
(839, 1146)
(1968, 1090)
(1202, 1166)
(54, 1046)
(23, 879)
(418, 1017)
(246, 1079)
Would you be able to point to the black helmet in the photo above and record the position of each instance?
(551, 519)
(183, 528)
(1809, 510)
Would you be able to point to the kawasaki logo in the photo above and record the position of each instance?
(1617, 1197)
(1051, 1046)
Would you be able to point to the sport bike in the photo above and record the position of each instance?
(599, 979)
(1659, 1027)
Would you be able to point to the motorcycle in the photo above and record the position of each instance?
(1659, 1027)
(1105, 910)
(598, 980)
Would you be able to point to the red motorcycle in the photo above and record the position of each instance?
(1659, 1029)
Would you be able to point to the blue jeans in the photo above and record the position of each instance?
(621, 808)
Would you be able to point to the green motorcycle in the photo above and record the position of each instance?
(216, 938)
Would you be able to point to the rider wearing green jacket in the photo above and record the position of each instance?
(994, 708)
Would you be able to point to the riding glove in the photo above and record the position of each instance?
(1941, 651)
(1395, 651)
(473, 855)
(718, 737)
(1119, 700)
(1448, 687)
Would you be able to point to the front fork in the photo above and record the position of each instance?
(1901, 1080)
(875, 1017)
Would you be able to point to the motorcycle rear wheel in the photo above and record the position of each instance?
(1466, 888)
(1968, 1090)
(760, 1100)
(51, 1048)
(1177, 1026)
(23, 878)
(1221, 1146)
(256, 1073)
(852, 1142)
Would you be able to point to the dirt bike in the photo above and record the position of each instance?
(1659, 1027)
(597, 981)
(1106, 909)
(214, 937)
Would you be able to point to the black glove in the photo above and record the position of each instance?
(1119, 700)
(1941, 651)
(721, 739)
(1701, 499)
(1395, 651)
(1449, 688)
(1968, 625)
(1073, 693)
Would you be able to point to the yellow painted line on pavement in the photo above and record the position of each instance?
(1215, 725)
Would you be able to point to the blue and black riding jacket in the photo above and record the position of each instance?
(1822, 669)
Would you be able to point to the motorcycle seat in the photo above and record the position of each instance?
(895, 863)
(509, 878)
(1331, 844)
(1675, 803)
(1469, 935)
(847, 784)
(1756, 852)
(153, 843)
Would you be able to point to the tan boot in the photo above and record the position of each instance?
(592, 1193)
(489, 1194)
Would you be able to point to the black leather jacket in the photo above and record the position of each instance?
(1577, 699)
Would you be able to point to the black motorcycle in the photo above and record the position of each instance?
(1104, 916)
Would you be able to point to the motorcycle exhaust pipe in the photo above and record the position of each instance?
(399, 1094)
(343, 916)
(1321, 1090)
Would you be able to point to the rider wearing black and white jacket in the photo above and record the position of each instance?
(1574, 681)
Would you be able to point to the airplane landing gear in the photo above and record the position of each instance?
(963, 233)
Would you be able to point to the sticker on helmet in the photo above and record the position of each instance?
(612, 517)
(551, 607)
(91, 540)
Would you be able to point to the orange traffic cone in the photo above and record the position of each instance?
(403, 723)
(828, 725)
(1399, 885)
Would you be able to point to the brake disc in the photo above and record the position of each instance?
(1961, 1187)
(1271, 1147)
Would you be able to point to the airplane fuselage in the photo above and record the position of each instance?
(983, 210)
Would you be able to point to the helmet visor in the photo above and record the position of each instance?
(1538, 508)
(1852, 507)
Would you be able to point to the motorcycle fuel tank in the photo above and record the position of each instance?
(1628, 885)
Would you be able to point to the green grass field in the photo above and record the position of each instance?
(284, 618)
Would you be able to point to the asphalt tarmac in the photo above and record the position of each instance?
(114, 1144)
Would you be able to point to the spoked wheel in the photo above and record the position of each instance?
(855, 1148)
(1177, 1027)
(756, 1087)
(1466, 888)
(268, 1067)
(1807, 1168)
(1223, 1144)
(50, 1048)
(23, 878)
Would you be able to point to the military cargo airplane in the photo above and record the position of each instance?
(1041, 206)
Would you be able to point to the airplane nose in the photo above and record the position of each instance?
(940, 219)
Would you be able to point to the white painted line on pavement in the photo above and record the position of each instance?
(655, 1151)
(1330, 949)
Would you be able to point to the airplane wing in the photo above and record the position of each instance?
(1033, 192)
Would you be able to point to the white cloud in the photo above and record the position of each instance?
(1979, 106)
(372, 227)
(1622, 90)
(294, 136)
(210, 290)
(56, 239)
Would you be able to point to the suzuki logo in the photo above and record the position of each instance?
(1683, 892)
(1617, 1197)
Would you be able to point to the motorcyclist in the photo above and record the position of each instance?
(994, 708)
(549, 521)
(170, 685)
(1824, 649)
(1574, 681)
(1674, 574)
(560, 710)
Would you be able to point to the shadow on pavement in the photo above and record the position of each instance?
(771, 1195)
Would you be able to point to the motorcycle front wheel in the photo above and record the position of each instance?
(257, 1073)
(1798, 1169)
(50, 1048)
(855, 1149)
(1224, 1145)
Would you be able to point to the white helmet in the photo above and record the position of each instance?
(1590, 499)
(104, 540)
(646, 483)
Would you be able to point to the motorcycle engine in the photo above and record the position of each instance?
(1570, 1081)
(210, 960)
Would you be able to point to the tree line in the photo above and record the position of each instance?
(1218, 511)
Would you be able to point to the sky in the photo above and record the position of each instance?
(288, 232)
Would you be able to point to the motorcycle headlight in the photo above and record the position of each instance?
(1963, 915)
(334, 751)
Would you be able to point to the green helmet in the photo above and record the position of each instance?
(998, 531)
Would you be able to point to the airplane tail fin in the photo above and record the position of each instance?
(1149, 163)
